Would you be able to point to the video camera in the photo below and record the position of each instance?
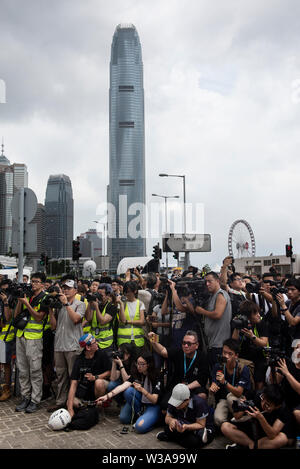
(195, 287)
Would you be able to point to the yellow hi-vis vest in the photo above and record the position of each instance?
(11, 334)
(125, 331)
(34, 329)
(103, 333)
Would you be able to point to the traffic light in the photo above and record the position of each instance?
(175, 255)
(156, 252)
(76, 254)
(288, 250)
(43, 259)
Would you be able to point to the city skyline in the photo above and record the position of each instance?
(222, 106)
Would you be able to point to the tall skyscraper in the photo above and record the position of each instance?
(12, 178)
(127, 146)
(59, 216)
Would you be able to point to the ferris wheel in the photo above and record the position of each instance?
(241, 241)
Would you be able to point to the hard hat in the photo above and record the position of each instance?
(59, 419)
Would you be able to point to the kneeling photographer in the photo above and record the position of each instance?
(252, 334)
(230, 380)
(268, 426)
(90, 374)
(122, 362)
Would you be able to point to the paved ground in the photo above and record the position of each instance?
(26, 431)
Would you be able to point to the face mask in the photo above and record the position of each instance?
(295, 356)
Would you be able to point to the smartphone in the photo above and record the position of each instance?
(155, 338)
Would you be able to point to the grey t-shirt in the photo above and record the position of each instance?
(67, 334)
(218, 330)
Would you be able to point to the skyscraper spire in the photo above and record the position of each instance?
(3, 160)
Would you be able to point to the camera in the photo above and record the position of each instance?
(118, 354)
(274, 355)
(93, 297)
(242, 406)
(240, 322)
(196, 287)
(277, 289)
(253, 287)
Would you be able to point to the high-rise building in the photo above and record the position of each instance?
(12, 178)
(91, 244)
(59, 216)
(127, 146)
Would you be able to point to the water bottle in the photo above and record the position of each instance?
(298, 442)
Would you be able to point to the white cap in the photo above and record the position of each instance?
(180, 394)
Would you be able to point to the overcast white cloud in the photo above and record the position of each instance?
(222, 105)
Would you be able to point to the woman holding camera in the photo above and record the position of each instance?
(252, 340)
(122, 362)
(141, 392)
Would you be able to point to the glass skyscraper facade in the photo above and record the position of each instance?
(12, 178)
(59, 208)
(127, 147)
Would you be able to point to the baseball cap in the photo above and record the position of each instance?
(70, 283)
(86, 339)
(106, 286)
(180, 394)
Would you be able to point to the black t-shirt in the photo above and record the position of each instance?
(97, 365)
(197, 409)
(292, 398)
(248, 349)
(294, 309)
(196, 370)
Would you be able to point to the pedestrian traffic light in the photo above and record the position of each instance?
(288, 250)
(175, 255)
(156, 252)
(76, 254)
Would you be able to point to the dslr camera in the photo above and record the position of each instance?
(242, 406)
(118, 354)
(240, 322)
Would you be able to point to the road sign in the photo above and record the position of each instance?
(186, 242)
(30, 205)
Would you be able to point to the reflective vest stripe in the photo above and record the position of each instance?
(105, 335)
(36, 330)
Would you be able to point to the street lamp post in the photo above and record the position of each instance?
(166, 216)
(103, 237)
(187, 254)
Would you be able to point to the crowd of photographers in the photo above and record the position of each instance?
(201, 353)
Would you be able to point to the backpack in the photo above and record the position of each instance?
(84, 418)
(242, 363)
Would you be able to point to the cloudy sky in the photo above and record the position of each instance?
(222, 106)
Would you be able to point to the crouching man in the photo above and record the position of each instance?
(189, 420)
(269, 426)
(90, 374)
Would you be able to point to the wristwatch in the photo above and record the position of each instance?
(253, 337)
(284, 309)
(96, 377)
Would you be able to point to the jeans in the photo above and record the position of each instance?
(134, 405)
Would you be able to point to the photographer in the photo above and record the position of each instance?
(122, 362)
(288, 375)
(187, 365)
(183, 314)
(7, 337)
(217, 317)
(252, 337)
(90, 374)
(131, 317)
(291, 308)
(30, 320)
(189, 421)
(141, 393)
(101, 313)
(68, 329)
(230, 380)
(233, 283)
(269, 426)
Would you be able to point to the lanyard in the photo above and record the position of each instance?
(234, 371)
(187, 370)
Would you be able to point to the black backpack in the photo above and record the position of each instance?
(84, 418)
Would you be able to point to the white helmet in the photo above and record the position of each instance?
(59, 419)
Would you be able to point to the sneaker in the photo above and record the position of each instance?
(235, 446)
(31, 408)
(23, 404)
(162, 436)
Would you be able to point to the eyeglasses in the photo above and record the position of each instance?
(35, 281)
(141, 364)
(189, 344)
